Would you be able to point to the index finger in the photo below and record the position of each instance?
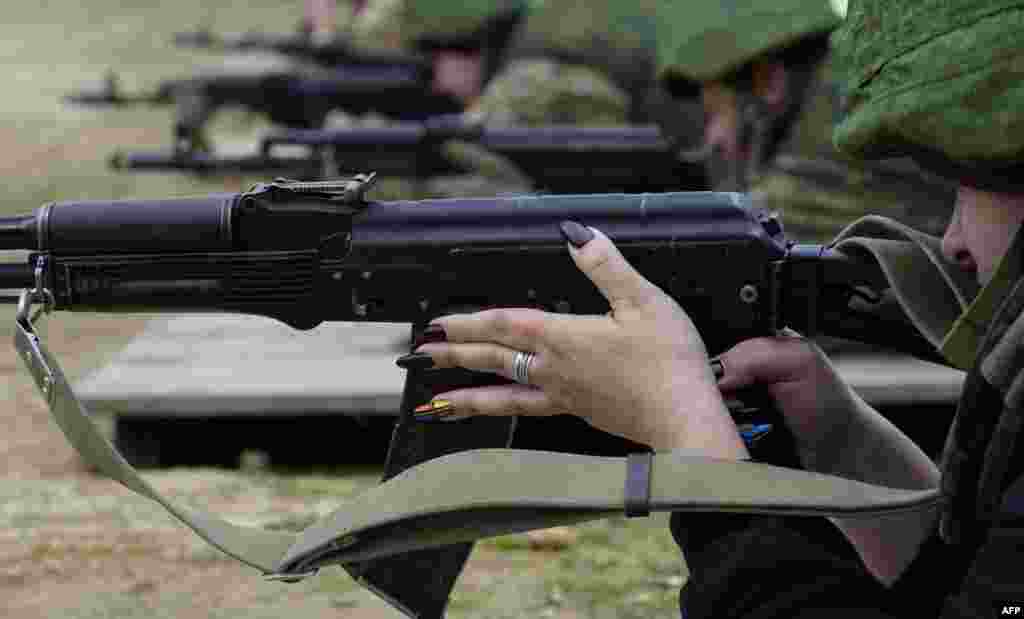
(519, 328)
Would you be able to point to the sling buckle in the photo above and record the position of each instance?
(638, 484)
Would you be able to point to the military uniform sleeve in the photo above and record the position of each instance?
(758, 567)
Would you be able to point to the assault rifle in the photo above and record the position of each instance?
(286, 96)
(395, 85)
(557, 158)
(304, 253)
(492, 37)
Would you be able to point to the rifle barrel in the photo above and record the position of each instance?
(553, 137)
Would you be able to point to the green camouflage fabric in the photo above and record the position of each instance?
(530, 92)
(941, 75)
(397, 24)
(608, 26)
(707, 41)
(599, 48)
(545, 92)
(565, 67)
(818, 191)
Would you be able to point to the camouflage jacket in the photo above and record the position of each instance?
(582, 63)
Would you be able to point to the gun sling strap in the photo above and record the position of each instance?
(479, 493)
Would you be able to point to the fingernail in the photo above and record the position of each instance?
(415, 361)
(433, 333)
(718, 369)
(433, 410)
(575, 233)
(751, 433)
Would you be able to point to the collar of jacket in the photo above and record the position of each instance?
(961, 344)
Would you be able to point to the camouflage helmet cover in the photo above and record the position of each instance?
(410, 20)
(938, 80)
(707, 40)
(616, 25)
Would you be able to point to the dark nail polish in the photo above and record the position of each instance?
(575, 233)
(415, 361)
(718, 369)
(433, 333)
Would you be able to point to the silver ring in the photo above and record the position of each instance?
(521, 367)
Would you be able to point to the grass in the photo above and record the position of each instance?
(616, 568)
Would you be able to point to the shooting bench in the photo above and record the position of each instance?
(201, 388)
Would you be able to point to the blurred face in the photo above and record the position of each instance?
(721, 119)
(458, 74)
(728, 156)
(981, 230)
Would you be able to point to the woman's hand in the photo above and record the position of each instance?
(837, 433)
(640, 372)
(817, 405)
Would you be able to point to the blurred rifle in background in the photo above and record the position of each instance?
(557, 158)
(286, 96)
(297, 81)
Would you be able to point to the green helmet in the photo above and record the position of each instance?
(941, 81)
(708, 40)
(411, 20)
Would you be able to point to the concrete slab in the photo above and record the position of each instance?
(205, 365)
(220, 364)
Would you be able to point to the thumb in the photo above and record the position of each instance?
(595, 254)
(766, 361)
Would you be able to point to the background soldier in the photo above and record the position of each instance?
(451, 36)
(580, 63)
(765, 79)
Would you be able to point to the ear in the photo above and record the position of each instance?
(770, 82)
